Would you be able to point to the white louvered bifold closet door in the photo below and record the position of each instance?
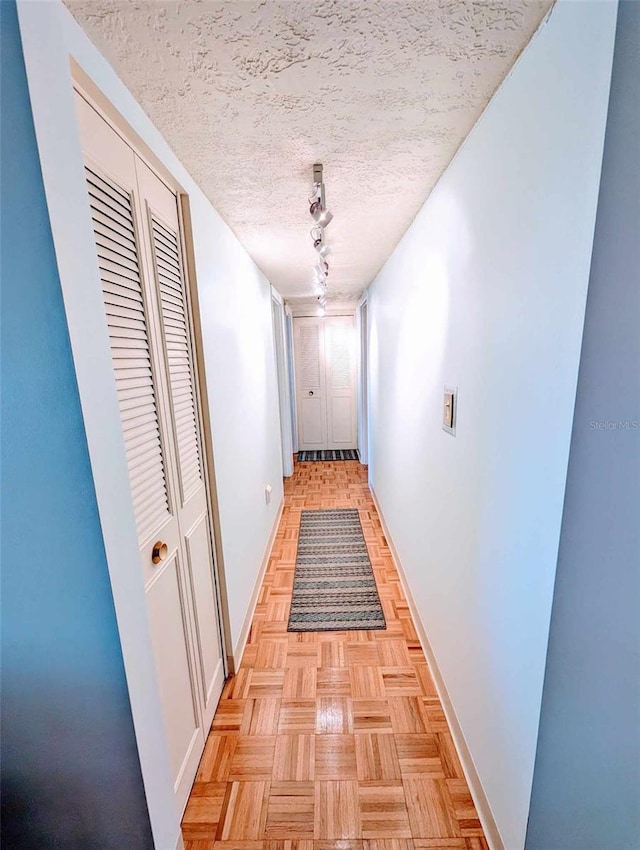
(137, 235)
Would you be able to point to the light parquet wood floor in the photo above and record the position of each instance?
(330, 740)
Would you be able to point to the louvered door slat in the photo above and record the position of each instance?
(116, 245)
(105, 231)
(131, 380)
(130, 387)
(142, 440)
(170, 279)
(167, 241)
(117, 292)
(96, 182)
(104, 211)
(167, 260)
(142, 456)
(105, 224)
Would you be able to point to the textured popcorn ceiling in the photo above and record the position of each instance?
(250, 93)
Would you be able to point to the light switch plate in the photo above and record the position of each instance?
(450, 410)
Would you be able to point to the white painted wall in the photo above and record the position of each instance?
(235, 305)
(487, 291)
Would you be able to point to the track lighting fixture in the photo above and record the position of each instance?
(316, 201)
(325, 218)
(317, 237)
(322, 217)
(322, 269)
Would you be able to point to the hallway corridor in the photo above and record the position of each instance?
(335, 739)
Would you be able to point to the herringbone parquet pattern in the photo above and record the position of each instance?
(330, 740)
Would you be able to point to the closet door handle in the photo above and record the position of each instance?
(159, 552)
(310, 392)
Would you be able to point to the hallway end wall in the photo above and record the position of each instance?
(486, 292)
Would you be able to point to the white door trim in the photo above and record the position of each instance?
(288, 321)
(362, 384)
(280, 350)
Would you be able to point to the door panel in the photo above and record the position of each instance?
(163, 228)
(340, 422)
(210, 654)
(310, 383)
(167, 616)
(132, 355)
(341, 387)
(170, 283)
(311, 426)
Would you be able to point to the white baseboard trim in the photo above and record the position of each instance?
(179, 843)
(491, 831)
(238, 652)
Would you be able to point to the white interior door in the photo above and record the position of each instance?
(136, 228)
(310, 383)
(325, 382)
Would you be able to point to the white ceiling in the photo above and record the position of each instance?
(250, 93)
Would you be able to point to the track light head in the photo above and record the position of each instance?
(322, 270)
(317, 235)
(316, 201)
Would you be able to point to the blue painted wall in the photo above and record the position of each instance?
(586, 788)
(70, 771)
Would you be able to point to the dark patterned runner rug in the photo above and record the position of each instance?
(334, 588)
(329, 454)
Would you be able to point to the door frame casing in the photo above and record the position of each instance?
(282, 372)
(362, 384)
(288, 324)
